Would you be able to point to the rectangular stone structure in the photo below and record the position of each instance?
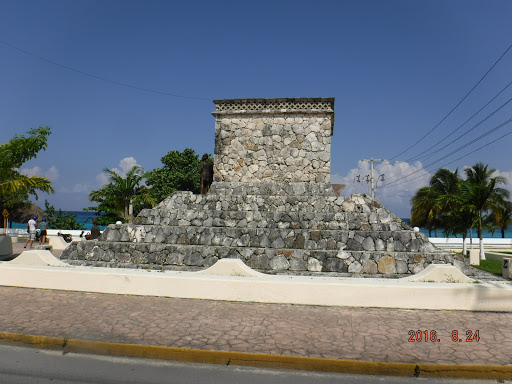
(273, 140)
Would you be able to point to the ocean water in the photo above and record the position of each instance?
(485, 234)
(84, 217)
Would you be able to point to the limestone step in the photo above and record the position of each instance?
(382, 221)
(269, 203)
(157, 256)
(343, 240)
(271, 188)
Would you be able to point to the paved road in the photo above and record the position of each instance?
(296, 330)
(29, 366)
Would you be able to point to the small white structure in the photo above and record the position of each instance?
(230, 267)
(440, 273)
(38, 257)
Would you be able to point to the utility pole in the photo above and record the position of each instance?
(372, 185)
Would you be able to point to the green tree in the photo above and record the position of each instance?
(483, 190)
(500, 217)
(459, 215)
(107, 206)
(430, 204)
(118, 198)
(14, 154)
(181, 171)
(15, 204)
(457, 205)
(16, 188)
(59, 219)
(425, 209)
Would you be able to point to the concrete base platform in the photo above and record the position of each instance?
(327, 291)
(440, 273)
(38, 257)
(57, 242)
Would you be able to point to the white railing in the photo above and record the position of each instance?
(456, 243)
(22, 232)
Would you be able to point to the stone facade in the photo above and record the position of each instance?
(271, 206)
(280, 140)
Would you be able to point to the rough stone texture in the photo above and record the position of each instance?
(283, 140)
(371, 267)
(267, 229)
(387, 265)
(271, 206)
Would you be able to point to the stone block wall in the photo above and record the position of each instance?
(272, 227)
(281, 140)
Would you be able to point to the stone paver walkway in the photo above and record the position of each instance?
(311, 331)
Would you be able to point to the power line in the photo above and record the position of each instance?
(99, 77)
(453, 152)
(457, 159)
(459, 127)
(454, 108)
(371, 179)
(468, 131)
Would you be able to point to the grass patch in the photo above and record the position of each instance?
(492, 266)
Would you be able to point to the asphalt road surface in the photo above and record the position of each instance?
(36, 366)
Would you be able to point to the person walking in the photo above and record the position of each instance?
(31, 225)
(43, 226)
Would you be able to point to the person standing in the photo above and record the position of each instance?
(31, 225)
(43, 226)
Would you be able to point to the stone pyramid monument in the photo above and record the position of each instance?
(271, 205)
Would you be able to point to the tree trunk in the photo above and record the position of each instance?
(482, 253)
(502, 233)
(464, 249)
(130, 211)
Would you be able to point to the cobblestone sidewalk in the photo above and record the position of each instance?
(385, 335)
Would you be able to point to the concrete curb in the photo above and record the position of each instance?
(503, 372)
(282, 289)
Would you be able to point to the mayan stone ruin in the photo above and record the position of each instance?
(271, 205)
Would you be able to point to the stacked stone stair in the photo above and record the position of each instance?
(295, 227)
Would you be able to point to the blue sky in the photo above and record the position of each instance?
(396, 68)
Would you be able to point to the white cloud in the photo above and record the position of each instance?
(81, 188)
(51, 174)
(508, 176)
(34, 171)
(395, 191)
(102, 179)
(124, 166)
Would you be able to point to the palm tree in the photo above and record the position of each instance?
(425, 209)
(500, 217)
(430, 204)
(484, 192)
(18, 183)
(124, 191)
(460, 218)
